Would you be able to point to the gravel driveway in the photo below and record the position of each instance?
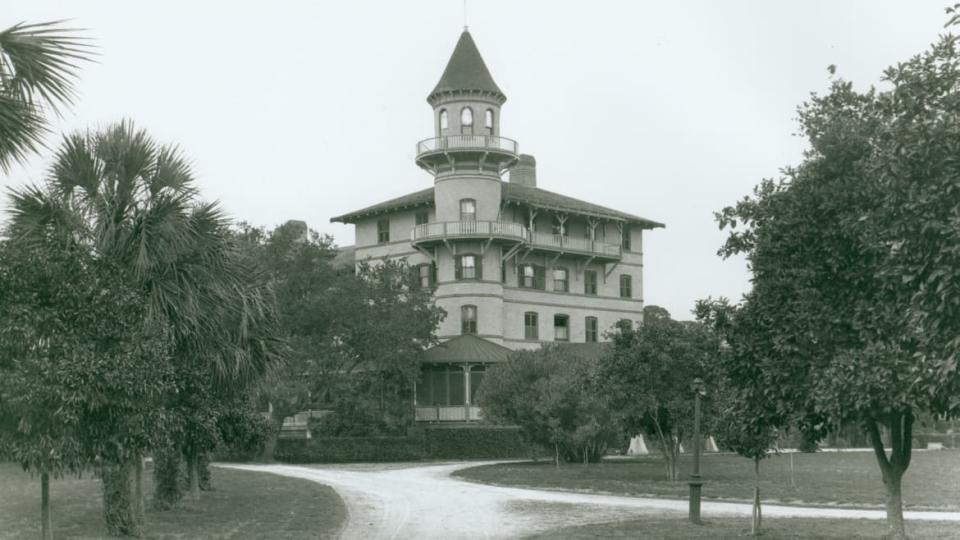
(423, 501)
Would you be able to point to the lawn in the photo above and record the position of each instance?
(850, 479)
(242, 505)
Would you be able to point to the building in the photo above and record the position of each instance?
(513, 265)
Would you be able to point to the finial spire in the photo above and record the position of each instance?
(465, 27)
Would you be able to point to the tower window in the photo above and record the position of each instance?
(590, 282)
(561, 328)
(590, 329)
(468, 210)
(426, 275)
(530, 325)
(383, 231)
(421, 217)
(466, 120)
(444, 121)
(468, 267)
(488, 121)
(626, 286)
(561, 282)
(468, 319)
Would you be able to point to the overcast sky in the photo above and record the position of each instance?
(306, 110)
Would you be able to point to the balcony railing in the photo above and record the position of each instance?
(454, 229)
(451, 413)
(467, 142)
(565, 243)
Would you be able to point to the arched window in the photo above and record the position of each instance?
(468, 210)
(444, 121)
(466, 120)
(468, 319)
(488, 122)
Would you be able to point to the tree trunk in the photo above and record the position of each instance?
(138, 489)
(270, 445)
(46, 523)
(166, 473)
(894, 466)
(193, 476)
(757, 517)
(117, 479)
(556, 449)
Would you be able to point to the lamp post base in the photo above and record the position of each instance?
(695, 484)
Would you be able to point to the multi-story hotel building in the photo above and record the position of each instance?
(513, 265)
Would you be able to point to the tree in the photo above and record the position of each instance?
(81, 370)
(551, 393)
(133, 202)
(854, 259)
(648, 376)
(38, 65)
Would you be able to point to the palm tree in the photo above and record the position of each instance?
(38, 66)
(129, 199)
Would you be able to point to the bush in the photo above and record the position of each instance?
(349, 449)
(948, 440)
(488, 442)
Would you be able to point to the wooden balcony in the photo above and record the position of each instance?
(575, 246)
(459, 230)
(486, 152)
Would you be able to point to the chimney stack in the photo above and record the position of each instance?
(524, 172)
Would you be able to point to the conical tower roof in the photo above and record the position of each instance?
(466, 71)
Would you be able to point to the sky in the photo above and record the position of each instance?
(307, 110)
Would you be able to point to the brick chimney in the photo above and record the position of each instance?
(524, 172)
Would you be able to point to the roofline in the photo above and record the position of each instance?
(352, 217)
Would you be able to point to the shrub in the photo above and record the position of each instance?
(349, 449)
(487, 442)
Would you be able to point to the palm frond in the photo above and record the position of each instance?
(22, 129)
(39, 62)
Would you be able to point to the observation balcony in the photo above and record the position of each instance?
(458, 230)
(458, 152)
(428, 233)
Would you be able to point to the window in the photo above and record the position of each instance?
(560, 281)
(626, 286)
(383, 231)
(468, 267)
(468, 210)
(488, 122)
(590, 282)
(531, 325)
(441, 385)
(530, 276)
(625, 238)
(590, 329)
(444, 121)
(466, 120)
(561, 328)
(426, 275)
(468, 319)
(624, 325)
(421, 218)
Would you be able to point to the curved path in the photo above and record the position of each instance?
(424, 501)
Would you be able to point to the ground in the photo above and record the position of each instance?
(425, 501)
(242, 505)
(849, 479)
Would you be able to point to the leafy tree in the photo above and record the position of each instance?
(854, 257)
(552, 394)
(81, 371)
(38, 65)
(133, 202)
(648, 376)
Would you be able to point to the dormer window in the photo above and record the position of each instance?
(488, 122)
(466, 120)
(444, 121)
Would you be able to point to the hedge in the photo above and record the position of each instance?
(487, 442)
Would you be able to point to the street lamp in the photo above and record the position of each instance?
(699, 389)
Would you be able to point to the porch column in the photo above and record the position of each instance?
(466, 391)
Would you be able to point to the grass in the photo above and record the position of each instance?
(242, 505)
(849, 479)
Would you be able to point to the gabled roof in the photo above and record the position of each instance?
(513, 193)
(466, 348)
(466, 70)
(417, 198)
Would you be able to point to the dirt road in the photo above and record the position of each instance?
(423, 501)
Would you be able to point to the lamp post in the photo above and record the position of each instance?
(695, 482)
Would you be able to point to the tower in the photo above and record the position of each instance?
(466, 158)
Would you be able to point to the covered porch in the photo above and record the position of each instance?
(450, 375)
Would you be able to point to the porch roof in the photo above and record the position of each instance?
(466, 348)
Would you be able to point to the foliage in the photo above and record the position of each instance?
(552, 395)
(38, 65)
(648, 376)
(349, 450)
(476, 442)
(855, 254)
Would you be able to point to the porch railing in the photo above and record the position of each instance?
(452, 229)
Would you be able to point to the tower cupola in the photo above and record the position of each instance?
(466, 111)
